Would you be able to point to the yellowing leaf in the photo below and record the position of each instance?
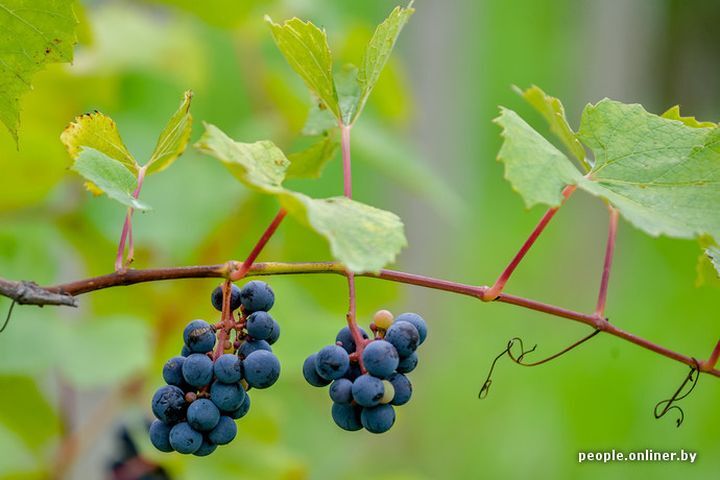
(173, 139)
(99, 132)
(306, 49)
(260, 165)
(108, 175)
(32, 34)
(554, 113)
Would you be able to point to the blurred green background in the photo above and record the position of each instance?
(425, 149)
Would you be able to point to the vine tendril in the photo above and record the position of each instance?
(691, 378)
(9, 314)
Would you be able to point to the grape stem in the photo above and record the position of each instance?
(227, 321)
(264, 239)
(126, 234)
(499, 284)
(607, 266)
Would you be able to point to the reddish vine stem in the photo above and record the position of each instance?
(609, 253)
(264, 239)
(227, 321)
(713, 359)
(126, 234)
(499, 284)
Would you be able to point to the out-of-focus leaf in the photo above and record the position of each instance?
(306, 49)
(260, 165)
(25, 411)
(103, 352)
(32, 34)
(378, 52)
(554, 113)
(319, 121)
(310, 162)
(363, 238)
(16, 462)
(109, 175)
(173, 139)
(99, 132)
(217, 12)
(534, 167)
(673, 113)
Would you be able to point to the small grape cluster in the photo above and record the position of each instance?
(365, 399)
(205, 391)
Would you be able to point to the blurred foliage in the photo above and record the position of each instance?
(425, 149)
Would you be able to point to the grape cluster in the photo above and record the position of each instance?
(365, 399)
(205, 391)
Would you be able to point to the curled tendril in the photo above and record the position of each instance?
(669, 404)
(485, 389)
(9, 314)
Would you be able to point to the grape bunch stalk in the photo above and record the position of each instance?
(365, 383)
(207, 384)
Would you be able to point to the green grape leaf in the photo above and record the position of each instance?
(99, 132)
(109, 175)
(378, 52)
(535, 168)
(349, 92)
(662, 175)
(708, 263)
(554, 113)
(305, 48)
(25, 411)
(309, 163)
(713, 254)
(260, 165)
(673, 113)
(32, 34)
(173, 139)
(319, 120)
(361, 237)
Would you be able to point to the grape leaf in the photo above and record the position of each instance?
(362, 237)
(673, 113)
(319, 120)
(349, 92)
(533, 166)
(662, 175)
(260, 165)
(554, 113)
(305, 48)
(32, 34)
(378, 52)
(109, 175)
(173, 139)
(708, 263)
(713, 253)
(309, 163)
(99, 132)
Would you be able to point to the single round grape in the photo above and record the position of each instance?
(197, 370)
(203, 415)
(367, 390)
(408, 364)
(380, 358)
(260, 325)
(403, 389)
(389, 392)
(404, 337)
(310, 372)
(242, 411)
(168, 404)
(257, 296)
(378, 419)
(416, 320)
(262, 369)
(184, 439)
(341, 391)
(345, 337)
(250, 346)
(332, 362)
(224, 432)
(160, 436)
(172, 372)
(205, 449)
(199, 336)
(227, 397)
(275, 335)
(228, 368)
(216, 298)
(383, 319)
(346, 416)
